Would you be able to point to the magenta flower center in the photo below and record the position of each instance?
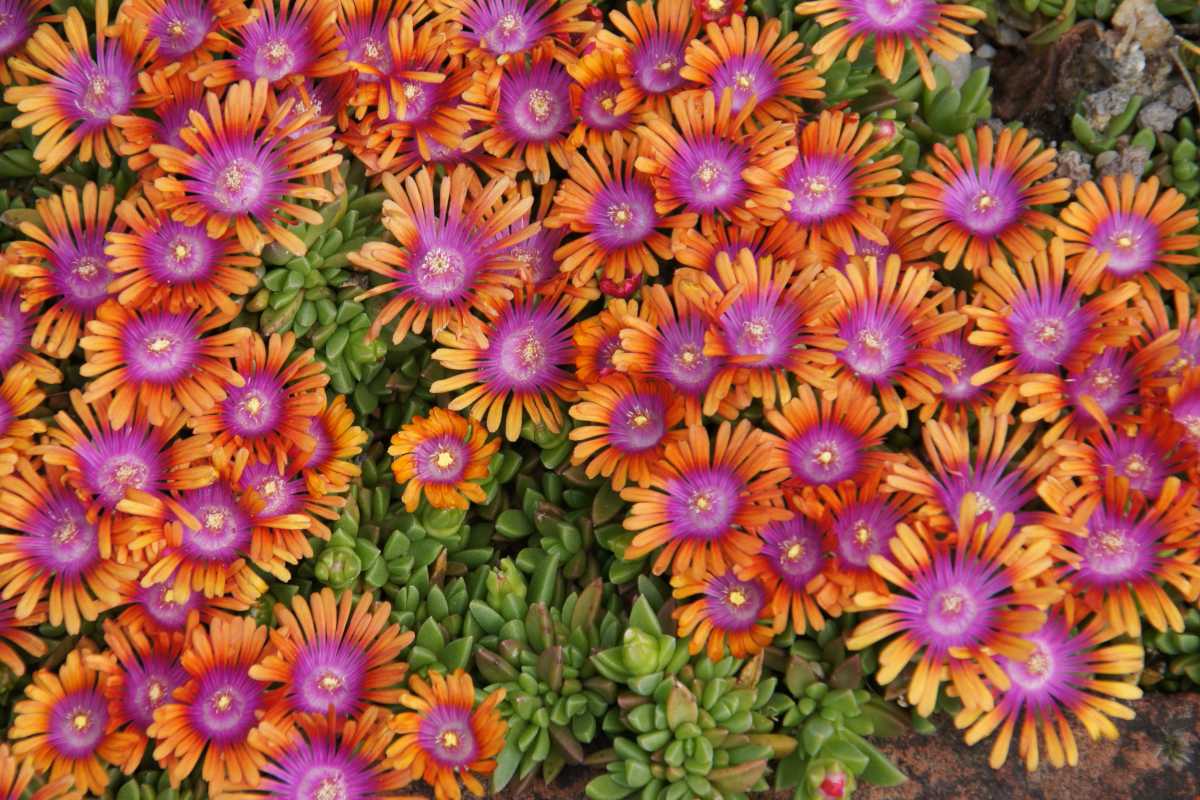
(160, 348)
(707, 175)
(824, 454)
(762, 328)
(278, 494)
(822, 187)
(441, 459)
(597, 104)
(77, 724)
(60, 538)
(329, 672)
(178, 253)
(638, 423)
(148, 685)
(1137, 458)
(734, 604)
(704, 503)
(224, 530)
(984, 201)
(225, 705)
(863, 530)
(528, 349)
(101, 89)
(1046, 329)
(622, 214)
(79, 272)
(747, 76)
(535, 106)
(878, 341)
(180, 27)
(1130, 240)
(794, 550)
(14, 329)
(1116, 550)
(656, 64)
(256, 408)
(909, 18)
(681, 360)
(446, 735)
(15, 27)
(162, 605)
(115, 461)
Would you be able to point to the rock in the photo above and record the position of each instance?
(1158, 116)
(1179, 98)
(1141, 21)
(1125, 159)
(1075, 165)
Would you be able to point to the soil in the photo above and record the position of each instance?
(1156, 758)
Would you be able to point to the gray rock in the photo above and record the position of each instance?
(1158, 116)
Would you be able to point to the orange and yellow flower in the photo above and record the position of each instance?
(730, 611)
(442, 458)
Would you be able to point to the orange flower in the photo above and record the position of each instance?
(977, 204)
(446, 737)
(650, 44)
(707, 500)
(77, 90)
(238, 167)
(17, 773)
(19, 395)
(716, 163)
(731, 610)
(187, 33)
(612, 208)
(891, 29)
(632, 422)
(442, 457)
(63, 261)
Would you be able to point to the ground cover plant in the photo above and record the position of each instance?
(411, 398)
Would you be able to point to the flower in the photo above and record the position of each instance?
(527, 116)
(239, 168)
(418, 97)
(201, 537)
(707, 500)
(16, 774)
(612, 208)
(13, 635)
(699, 247)
(157, 362)
(1184, 404)
(958, 395)
(502, 29)
(718, 10)
(793, 569)
(834, 439)
(442, 457)
(1141, 230)
(1067, 671)
(669, 346)
(103, 460)
(765, 67)
(63, 260)
(64, 727)
(767, 324)
(1042, 319)
(892, 28)
(448, 260)
(1143, 449)
(1156, 321)
(270, 411)
(161, 262)
(1110, 383)
(212, 714)
(77, 91)
(834, 180)
(1001, 477)
(299, 40)
(363, 28)
(19, 396)
(716, 163)
(632, 421)
(1117, 554)
(172, 97)
(522, 363)
(889, 324)
(598, 337)
(446, 737)
(329, 466)
(51, 550)
(163, 609)
(979, 202)
(16, 332)
(188, 32)
(323, 756)
(859, 519)
(650, 51)
(730, 609)
(595, 87)
(897, 240)
(141, 671)
(956, 606)
(332, 653)
(20, 18)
